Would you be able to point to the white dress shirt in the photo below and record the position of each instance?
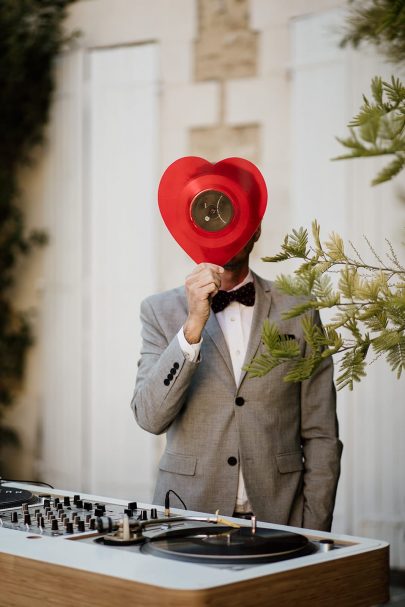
(235, 322)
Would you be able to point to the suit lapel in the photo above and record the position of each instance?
(260, 313)
(215, 332)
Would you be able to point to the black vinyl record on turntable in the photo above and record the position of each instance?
(226, 545)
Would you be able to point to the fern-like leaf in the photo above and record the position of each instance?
(390, 170)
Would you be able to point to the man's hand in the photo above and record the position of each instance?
(202, 284)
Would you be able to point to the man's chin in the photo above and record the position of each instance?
(233, 265)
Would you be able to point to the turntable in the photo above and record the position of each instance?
(63, 548)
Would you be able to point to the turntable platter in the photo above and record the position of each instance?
(12, 497)
(225, 545)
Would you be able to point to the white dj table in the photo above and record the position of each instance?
(38, 569)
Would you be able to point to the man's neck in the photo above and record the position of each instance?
(231, 278)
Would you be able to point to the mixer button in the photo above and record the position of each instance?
(56, 502)
(54, 525)
(132, 505)
(66, 500)
(88, 506)
(92, 523)
(128, 512)
(75, 498)
(98, 512)
(47, 503)
(27, 519)
(14, 517)
(69, 528)
(153, 513)
(79, 504)
(80, 526)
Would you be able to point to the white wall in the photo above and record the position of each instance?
(101, 178)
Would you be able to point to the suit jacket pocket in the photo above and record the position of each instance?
(290, 462)
(179, 464)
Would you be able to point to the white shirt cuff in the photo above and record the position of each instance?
(190, 351)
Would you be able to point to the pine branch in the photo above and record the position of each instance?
(379, 128)
(369, 305)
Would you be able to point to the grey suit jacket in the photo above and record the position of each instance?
(284, 435)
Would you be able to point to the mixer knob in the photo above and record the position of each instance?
(75, 498)
(92, 524)
(80, 526)
(88, 517)
(69, 527)
(56, 502)
(54, 525)
(66, 500)
(14, 517)
(128, 512)
(47, 503)
(98, 512)
(65, 521)
(60, 506)
(132, 506)
(27, 519)
(144, 515)
(41, 522)
(24, 508)
(87, 505)
(79, 504)
(153, 513)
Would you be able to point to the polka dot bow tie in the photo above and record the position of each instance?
(244, 295)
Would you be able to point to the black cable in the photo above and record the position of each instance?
(14, 480)
(167, 499)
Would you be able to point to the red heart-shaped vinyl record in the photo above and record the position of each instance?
(212, 210)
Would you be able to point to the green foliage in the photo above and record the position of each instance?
(368, 301)
(379, 128)
(379, 22)
(30, 38)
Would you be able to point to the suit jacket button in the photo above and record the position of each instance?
(169, 376)
(173, 371)
(176, 365)
(166, 382)
(239, 400)
(232, 461)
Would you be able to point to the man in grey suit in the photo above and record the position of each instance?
(235, 443)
